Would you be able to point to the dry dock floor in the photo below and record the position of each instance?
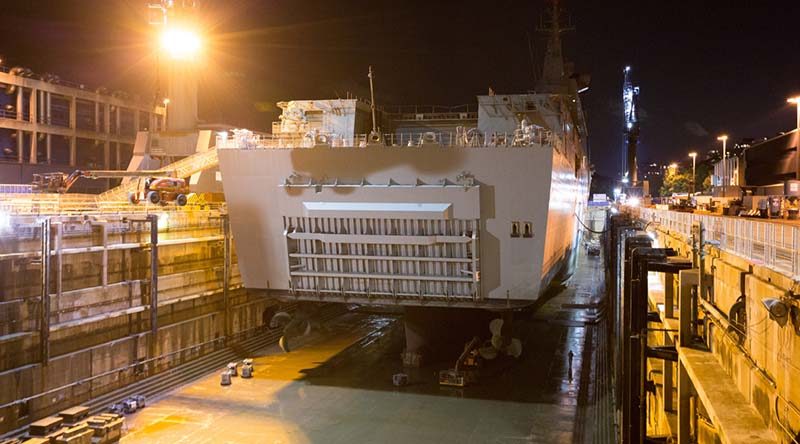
(336, 387)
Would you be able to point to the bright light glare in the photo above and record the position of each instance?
(180, 43)
(692, 154)
(723, 137)
(795, 100)
(625, 180)
(5, 221)
(632, 202)
(163, 221)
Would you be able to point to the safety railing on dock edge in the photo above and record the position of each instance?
(772, 244)
(41, 204)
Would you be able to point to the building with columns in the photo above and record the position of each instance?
(50, 125)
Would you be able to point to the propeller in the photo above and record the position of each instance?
(491, 348)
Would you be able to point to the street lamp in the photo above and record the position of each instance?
(693, 155)
(724, 139)
(796, 101)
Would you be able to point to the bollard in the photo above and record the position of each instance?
(225, 378)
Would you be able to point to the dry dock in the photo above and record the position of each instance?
(336, 388)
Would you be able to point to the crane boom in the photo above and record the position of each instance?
(61, 182)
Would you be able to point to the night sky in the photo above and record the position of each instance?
(704, 68)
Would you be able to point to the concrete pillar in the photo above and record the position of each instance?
(182, 89)
(44, 320)
(34, 110)
(153, 222)
(107, 134)
(137, 120)
(226, 272)
(20, 145)
(48, 102)
(684, 405)
(20, 93)
(34, 147)
(33, 101)
(49, 148)
(106, 119)
(669, 295)
(73, 151)
(688, 279)
(104, 274)
(73, 113)
(118, 120)
(668, 380)
(97, 128)
(59, 234)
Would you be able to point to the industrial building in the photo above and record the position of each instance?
(48, 124)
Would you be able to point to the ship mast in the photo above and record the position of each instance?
(552, 79)
(372, 102)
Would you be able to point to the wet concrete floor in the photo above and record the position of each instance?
(336, 387)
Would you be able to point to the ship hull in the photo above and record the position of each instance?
(428, 225)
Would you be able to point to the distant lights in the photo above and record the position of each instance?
(795, 100)
(722, 138)
(627, 68)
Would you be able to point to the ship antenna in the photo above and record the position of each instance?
(552, 77)
(372, 102)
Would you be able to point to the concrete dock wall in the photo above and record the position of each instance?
(762, 361)
(100, 299)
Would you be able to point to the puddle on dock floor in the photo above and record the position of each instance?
(337, 388)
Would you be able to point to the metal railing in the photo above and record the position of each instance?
(40, 204)
(247, 140)
(430, 109)
(774, 245)
(15, 188)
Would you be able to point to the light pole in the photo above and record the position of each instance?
(724, 139)
(796, 101)
(166, 107)
(693, 155)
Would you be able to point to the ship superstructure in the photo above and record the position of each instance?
(455, 207)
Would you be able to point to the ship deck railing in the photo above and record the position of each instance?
(467, 138)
